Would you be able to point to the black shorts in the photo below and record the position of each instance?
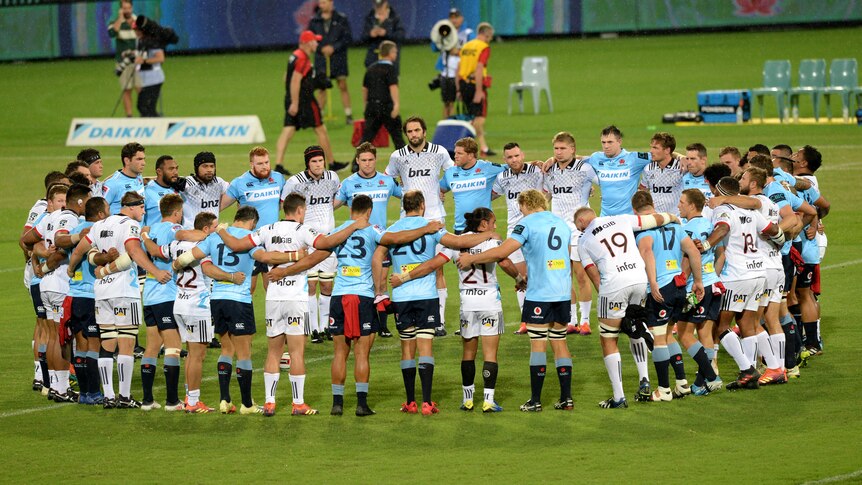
(36, 298)
(708, 309)
(160, 315)
(670, 310)
(547, 312)
(468, 90)
(419, 314)
(233, 317)
(259, 268)
(337, 65)
(367, 316)
(308, 116)
(807, 277)
(448, 91)
(83, 315)
(789, 271)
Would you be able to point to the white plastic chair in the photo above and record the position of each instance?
(534, 78)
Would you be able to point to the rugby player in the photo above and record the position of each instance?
(618, 170)
(93, 159)
(167, 175)
(127, 179)
(203, 190)
(663, 177)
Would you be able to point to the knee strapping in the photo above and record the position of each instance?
(606, 331)
(172, 352)
(407, 334)
(557, 334)
(127, 332)
(659, 330)
(107, 332)
(326, 277)
(537, 333)
(425, 333)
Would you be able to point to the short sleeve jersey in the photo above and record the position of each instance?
(782, 197)
(114, 232)
(743, 260)
(570, 189)
(319, 196)
(619, 177)
(378, 77)
(510, 185)
(38, 209)
(769, 210)
(228, 261)
(81, 284)
(471, 188)
(665, 185)
(202, 197)
(116, 186)
(379, 188)
(153, 193)
(421, 171)
(286, 236)
(193, 287)
(478, 286)
(262, 194)
(161, 233)
(58, 222)
(408, 256)
(810, 248)
(667, 251)
(545, 240)
(698, 182)
(700, 228)
(608, 242)
(353, 276)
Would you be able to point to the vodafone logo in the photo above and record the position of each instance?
(662, 313)
(537, 311)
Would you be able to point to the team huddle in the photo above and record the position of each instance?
(678, 252)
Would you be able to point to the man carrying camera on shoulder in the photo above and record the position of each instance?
(149, 59)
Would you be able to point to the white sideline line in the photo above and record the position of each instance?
(836, 478)
(841, 265)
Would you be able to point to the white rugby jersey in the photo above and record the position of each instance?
(201, 197)
(609, 244)
(319, 196)
(769, 210)
(478, 284)
(59, 222)
(114, 232)
(743, 260)
(510, 185)
(38, 208)
(570, 189)
(193, 287)
(421, 171)
(97, 189)
(813, 180)
(664, 184)
(286, 236)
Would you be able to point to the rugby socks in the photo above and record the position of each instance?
(639, 350)
(574, 314)
(614, 365)
(764, 348)
(194, 396)
(362, 394)
(442, 294)
(777, 342)
(538, 362)
(489, 373)
(297, 385)
(43, 364)
(92, 372)
(468, 378)
(699, 354)
(224, 366)
(313, 310)
(749, 348)
(790, 347)
(172, 379)
(79, 362)
(521, 296)
(37, 370)
(661, 360)
(106, 373)
(148, 376)
(811, 339)
(52, 379)
(62, 380)
(125, 367)
(243, 378)
(408, 373)
(733, 347)
(426, 376)
(270, 382)
(338, 394)
(676, 360)
(585, 310)
(323, 303)
(564, 373)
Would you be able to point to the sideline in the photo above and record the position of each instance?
(836, 478)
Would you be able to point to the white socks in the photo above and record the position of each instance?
(297, 384)
(106, 375)
(764, 348)
(489, 395)
(323, 304)
(733, 347)
(585, 310)
(521, 296)
(194, 396)
(614, 365)
(468, 393)
(125, 368)
(574, 314)
(442, 294)
(778, 342)
(639, 350)
(312, 312)
(270, 382)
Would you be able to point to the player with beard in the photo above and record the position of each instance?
(167, 174)
(203, 190)
(127, 179)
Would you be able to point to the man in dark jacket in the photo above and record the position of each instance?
(331, 59)
(381, 23)
(382, 100)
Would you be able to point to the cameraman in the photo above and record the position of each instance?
(151, 55)
(121, 30)
(447, 63)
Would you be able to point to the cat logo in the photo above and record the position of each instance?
(294, 321)
(615, 306)
(120, 312)
(740, 298)
(488, 322)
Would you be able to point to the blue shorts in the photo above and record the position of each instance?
(669, 311)
(233, 317)
(83, 316)
(161, 316)
(707, 309)
(367, 316)
(36, 297)
(547, 312)
(420, 314)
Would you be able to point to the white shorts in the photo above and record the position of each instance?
(517, 256)
(122, 312)
(481, 323)
(822, 243)
(53, 303)
(284, 317)
(323, 268)
(195, 328)
(573, 246)
(612, 306)
(774, 289)
(743, 295)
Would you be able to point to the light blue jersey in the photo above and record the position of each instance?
(698, 182)
(408, 256)
(810, 248)
(116, 186)
(153, 194)
(667, 251)
(701, 228)
(81, 285)
(545, 239)
(353, 276)
(379, 187)
(262, 194)
(619, 177)
(230, 262)
(778, 194)
(782, 176)
(471, 188)
(161, 233)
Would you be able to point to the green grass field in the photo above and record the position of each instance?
(806, 430)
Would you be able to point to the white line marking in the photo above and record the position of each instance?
(836, 478)
(841, 265)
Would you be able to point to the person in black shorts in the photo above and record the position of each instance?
(382, 100)
(300, 106)
(331, 57)
(474, 81)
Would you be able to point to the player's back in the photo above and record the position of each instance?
(769, 210)
(193, 294)
(405, 257)
(81, 284)
(161, 233)
(667, 251)
(700, 228)
(113, 232)
(353, 276)
(230, 262)
(609, 243)
(286, 236)
(545, 240)
(743, 260)
(478, 284)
